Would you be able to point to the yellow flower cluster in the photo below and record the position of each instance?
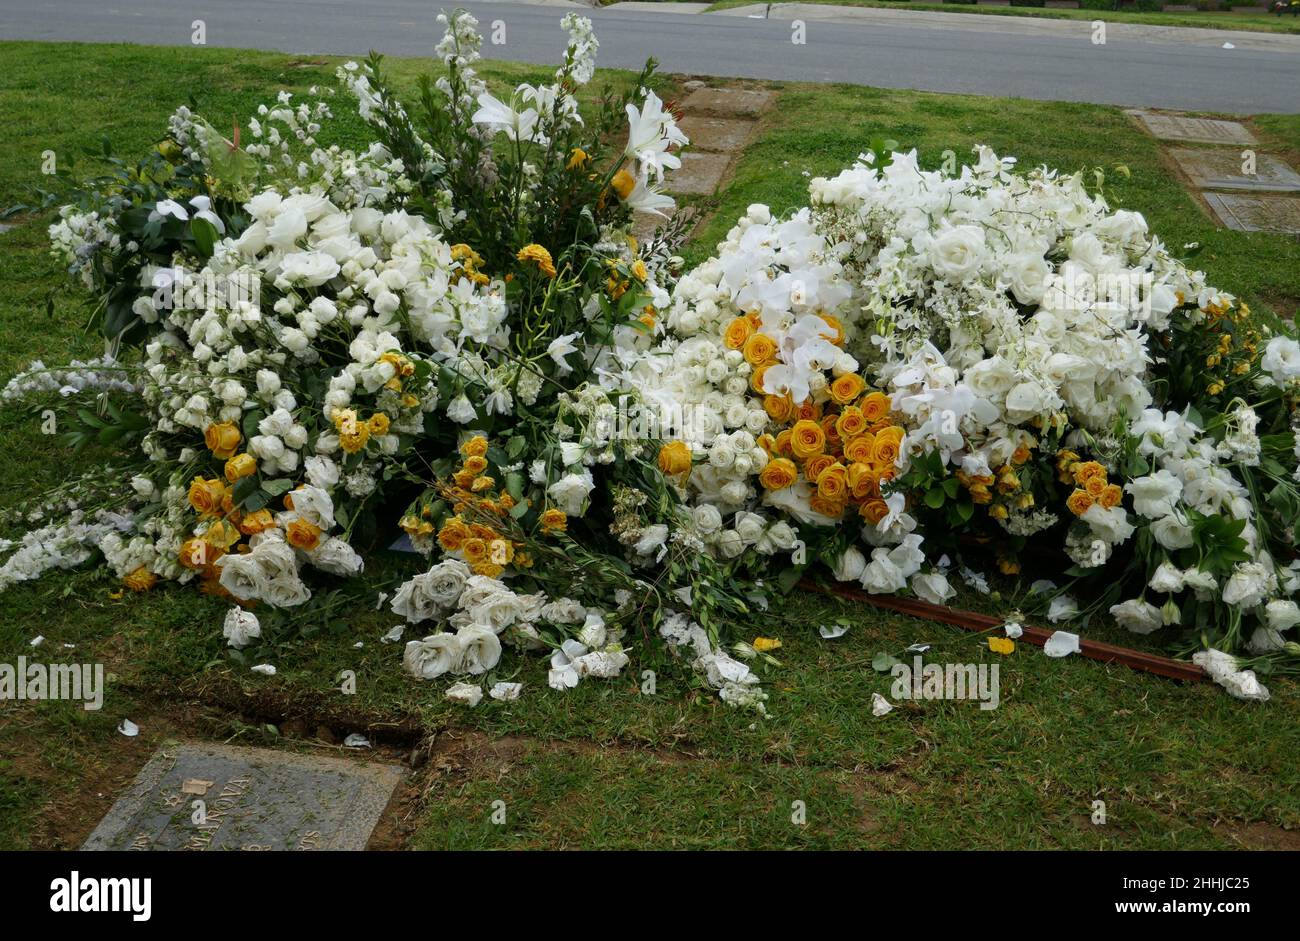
(844, 448)
(222, 524)
(1235, 350)
(354, 433)
(1002, 490)
(471, 263)
(486, 550)
(1090, 482)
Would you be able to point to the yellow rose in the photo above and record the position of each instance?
(815, 465)
(874, 510)
(140, 580)
(833, 483)
(258, 521)
(1111, 496)
(206, 496)
(875, 406)
(759, 349)
(807, 439)
(378, 424)
(863, 482)
(554, 521)
(737, 332)
(884, 452)
(241, 465)
(847, 388)
(850, 423)
(453, 535)
(1079, 502)
(302, 535)
(675, 458)
(778, 474)
(222, 439)
(475, 550)
(1087, 470)
(355, 439)
(831, 508)
(778, 407)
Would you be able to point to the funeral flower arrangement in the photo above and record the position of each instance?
(448, 330)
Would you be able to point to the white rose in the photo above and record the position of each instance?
(932, 587)
(1167, 579)
(1172, 533)
(435, 655)
(707, 518)
(1138, 616)
(849, 566)
(957, 252)
(432, 593)
(1026, 274)
(310, 269)
(335, 556)
(570, 492)
(1282, 614)
(480, 648)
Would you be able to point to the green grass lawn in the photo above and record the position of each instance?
(603, 765)
(1204, 19)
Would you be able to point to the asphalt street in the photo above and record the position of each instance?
(1063, 64)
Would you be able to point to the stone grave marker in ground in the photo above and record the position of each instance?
(252, 799)
(1177, 127)
(1222, 170)
(1256, 212)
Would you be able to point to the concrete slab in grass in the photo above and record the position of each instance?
(252, 799)
(699, 175)
(1177, 127)
(1222, 170)
(1256, 212)
(727, 102)
(719, 135)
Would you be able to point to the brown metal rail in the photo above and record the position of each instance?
(971, 621)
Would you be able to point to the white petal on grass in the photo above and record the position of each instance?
(265, 669)
(394, 635)
(356, 740)
(467, 694)
(1061, 644)
(506, 692)
(129, 728)
(880, 705)
(833, 631)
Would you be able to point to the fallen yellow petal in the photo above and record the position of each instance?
(1002, 644)
(764, 644)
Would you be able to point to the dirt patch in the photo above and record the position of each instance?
(1262, 836)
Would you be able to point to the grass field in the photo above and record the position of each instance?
(604, 765)
(1202, 19)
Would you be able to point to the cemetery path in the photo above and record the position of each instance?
(1060, 62)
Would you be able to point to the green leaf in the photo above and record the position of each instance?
(884, 662)
(205, 236)
(277, 487)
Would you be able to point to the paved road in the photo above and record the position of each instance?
(940, 56)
